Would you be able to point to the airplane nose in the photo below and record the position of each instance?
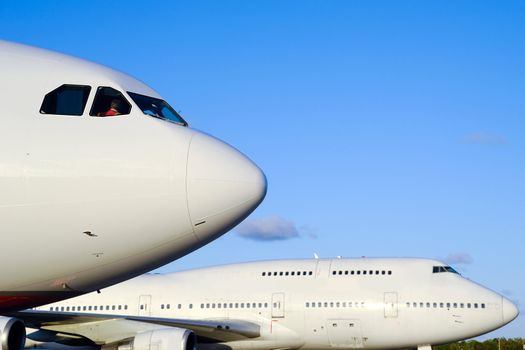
(509, 310)
(223, 186)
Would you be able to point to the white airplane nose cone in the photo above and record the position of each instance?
(223, 186)
(509, 310)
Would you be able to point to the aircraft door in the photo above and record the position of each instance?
(277, 305)
(345, 333)
(323, 268)
(390, 304)
(144, 305)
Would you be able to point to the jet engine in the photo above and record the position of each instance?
(165, 339)
(12, 334)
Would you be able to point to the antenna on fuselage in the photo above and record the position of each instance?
(316, 256)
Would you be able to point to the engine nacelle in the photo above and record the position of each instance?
(12, 334)
(165, 339)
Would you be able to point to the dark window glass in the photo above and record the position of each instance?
(450, 269)
(264, 273)
(157, 108)
(66, 100)
(334, 272)
(109, 103)
(309, 273)
(435, 269)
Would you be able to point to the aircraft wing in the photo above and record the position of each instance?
(105, 329)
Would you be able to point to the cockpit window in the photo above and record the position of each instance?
(66, 100)
(109, 103)
(157, 108)
(438, 269)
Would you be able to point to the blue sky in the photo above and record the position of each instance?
(385, 128)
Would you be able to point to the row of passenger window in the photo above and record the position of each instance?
(71, 100)
(89, 308)
(234, 305)
(287, 273)
(446, 305)
(253, 305)
(162, 306)
(336, 304)
(362, 272)
(435, 305)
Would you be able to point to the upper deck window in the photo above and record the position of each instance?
(157, 108)
(66, 100)
(109, 103)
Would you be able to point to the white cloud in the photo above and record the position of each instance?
(459, 259)
(272, 228)
(481, 138)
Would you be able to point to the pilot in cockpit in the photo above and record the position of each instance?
(114, 109)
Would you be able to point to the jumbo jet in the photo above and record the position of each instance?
(101, 179)
(369, 303)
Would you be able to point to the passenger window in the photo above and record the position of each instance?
(109, 102)
(66, 100)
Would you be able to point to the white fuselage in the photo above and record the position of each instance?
(371, 303)
(89, 201)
